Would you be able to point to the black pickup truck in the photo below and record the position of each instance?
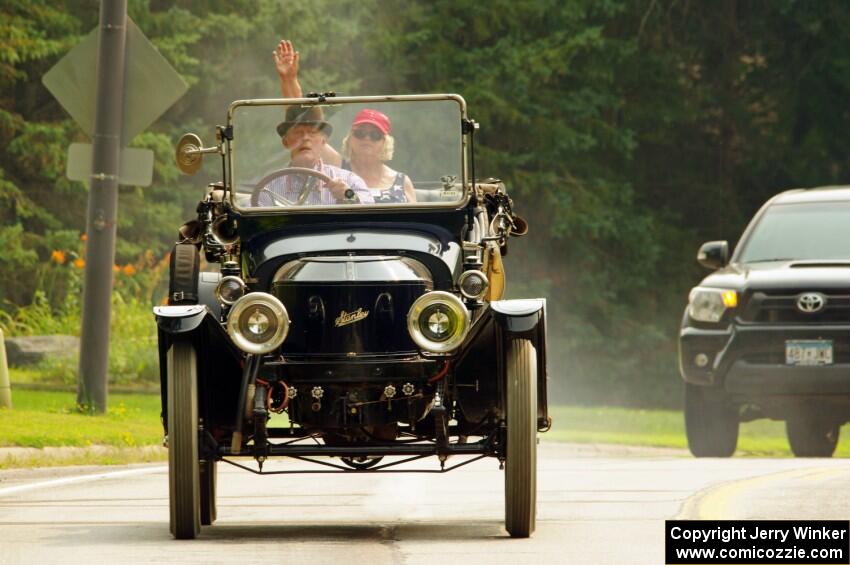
(767, 334)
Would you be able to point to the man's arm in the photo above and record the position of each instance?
(358, 185)
(345, 180)
(286, 60)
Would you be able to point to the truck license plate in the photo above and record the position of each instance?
(808, 352)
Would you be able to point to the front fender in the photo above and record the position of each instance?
(180, 319)
(218, 360)
(527, 318)
(519, 316)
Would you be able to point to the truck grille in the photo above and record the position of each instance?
(768, 308)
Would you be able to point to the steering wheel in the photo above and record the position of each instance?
(309, 186)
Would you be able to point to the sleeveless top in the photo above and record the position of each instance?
(395, 192)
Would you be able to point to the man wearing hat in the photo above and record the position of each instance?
(304, 134)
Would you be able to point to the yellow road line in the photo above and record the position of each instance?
(715, 502)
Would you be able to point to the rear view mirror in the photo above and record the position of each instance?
(190, 153)
(713, 254)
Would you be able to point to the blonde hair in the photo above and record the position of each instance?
(386, 153)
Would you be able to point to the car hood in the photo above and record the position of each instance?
(442, 258)
(790, 275)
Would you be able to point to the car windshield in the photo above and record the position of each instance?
(800, 232)
(347, 153)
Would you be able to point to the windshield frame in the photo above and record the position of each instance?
(334, 100)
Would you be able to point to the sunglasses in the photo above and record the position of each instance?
(372, 134)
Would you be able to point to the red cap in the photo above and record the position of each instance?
(373, 117)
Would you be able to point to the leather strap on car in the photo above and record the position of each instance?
(495, 271)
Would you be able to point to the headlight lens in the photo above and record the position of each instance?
(473, 284)
(438, 322)
(709, 304)
(230, 289)
(258, 323)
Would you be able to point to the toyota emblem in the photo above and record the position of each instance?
(811, 302)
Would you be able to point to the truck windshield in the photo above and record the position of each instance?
(378, 153)
(800, 232)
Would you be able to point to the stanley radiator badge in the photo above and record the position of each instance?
(346, 318)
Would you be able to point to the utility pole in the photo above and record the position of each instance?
(103, 205)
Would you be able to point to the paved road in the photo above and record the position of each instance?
(595, 506)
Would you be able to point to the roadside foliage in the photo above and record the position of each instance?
(627, 131)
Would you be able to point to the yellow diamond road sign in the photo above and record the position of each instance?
(151, 86)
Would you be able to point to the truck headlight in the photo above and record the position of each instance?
(709, 304)
(257, 323)
(438, 322)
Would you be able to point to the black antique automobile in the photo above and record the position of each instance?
(357, 332)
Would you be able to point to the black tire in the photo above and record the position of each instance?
(812, 436)
(208, 478)
(711, 422)
(183, 465)
(521, 448)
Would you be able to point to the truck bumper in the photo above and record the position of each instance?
(749, 360)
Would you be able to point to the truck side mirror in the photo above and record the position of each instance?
(713, 254)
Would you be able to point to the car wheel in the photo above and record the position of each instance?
(810, 436)
(208, 477)
(183, 472)
(521, 452)
(711, 422)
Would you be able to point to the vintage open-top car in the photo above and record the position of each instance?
(334, 321)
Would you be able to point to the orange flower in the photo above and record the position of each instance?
(129, 270)
(79, 262)
(58, 256)
(84, 237)
(116, 269)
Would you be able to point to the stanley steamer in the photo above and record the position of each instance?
(352, 334)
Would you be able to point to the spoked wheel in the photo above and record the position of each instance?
(183, 472)
(208, 476)
(811, 436)
(521, 453)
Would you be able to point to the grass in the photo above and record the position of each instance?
(662, 428)
(131, 428)
(133, 356)
(106, 456)
(46, 418)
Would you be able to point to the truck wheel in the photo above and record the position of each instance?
(811, 436)
(183, 473)
(521, 452)
(711, 422)
(208, 477)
